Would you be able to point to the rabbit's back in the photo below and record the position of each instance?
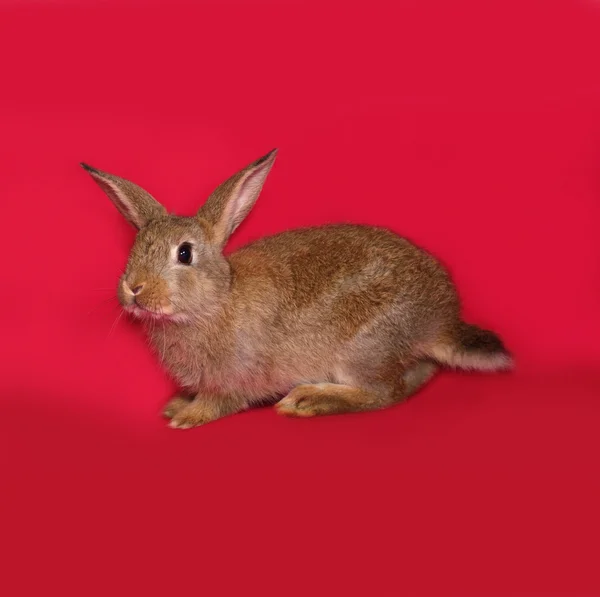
(319, 288)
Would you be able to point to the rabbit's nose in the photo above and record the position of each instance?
(132, 290)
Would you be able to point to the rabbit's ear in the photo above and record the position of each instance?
(137, 205)
(230, 202)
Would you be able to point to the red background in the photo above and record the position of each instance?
(471, 127)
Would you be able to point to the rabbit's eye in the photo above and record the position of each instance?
(184, 254)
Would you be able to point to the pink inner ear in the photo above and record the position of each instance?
(132, 201)
(120, 203)
(247, 195)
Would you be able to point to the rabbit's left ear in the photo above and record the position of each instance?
(231, 201)
(135, 204)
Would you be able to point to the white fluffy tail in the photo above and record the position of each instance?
(473, 348)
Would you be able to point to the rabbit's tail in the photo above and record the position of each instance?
(470, 347)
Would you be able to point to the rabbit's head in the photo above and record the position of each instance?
(176, 268)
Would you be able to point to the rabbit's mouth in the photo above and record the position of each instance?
(143, 312)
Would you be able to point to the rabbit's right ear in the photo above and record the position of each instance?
(135, 204)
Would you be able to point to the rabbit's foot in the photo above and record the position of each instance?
(310, 400)
(174, 406)
(204, 409)
(191, 415)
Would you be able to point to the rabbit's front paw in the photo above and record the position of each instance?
(191, 415)
(175, 405)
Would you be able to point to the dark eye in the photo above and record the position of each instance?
(184, 254)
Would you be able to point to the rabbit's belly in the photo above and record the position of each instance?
(250, 387)
(246, 368)
(197, 372)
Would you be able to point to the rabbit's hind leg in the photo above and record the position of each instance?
(417, 376)
(310, 400)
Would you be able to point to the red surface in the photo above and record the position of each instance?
(471, 127)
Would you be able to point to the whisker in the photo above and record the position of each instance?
(101, 304)
(114, 325)
(162, 356)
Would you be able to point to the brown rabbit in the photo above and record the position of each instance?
(337, 318)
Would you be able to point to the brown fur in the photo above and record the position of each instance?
(337, 318)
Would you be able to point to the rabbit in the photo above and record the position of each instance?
(332, 319)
